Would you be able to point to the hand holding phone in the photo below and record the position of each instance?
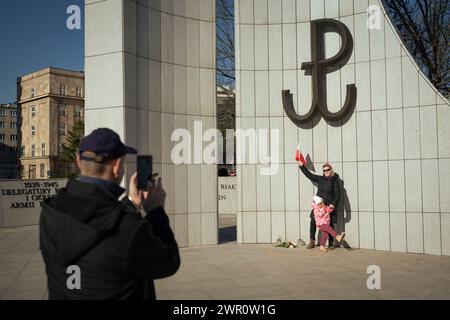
(156, 197)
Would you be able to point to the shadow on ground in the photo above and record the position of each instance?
(227, 234)
(227, 228)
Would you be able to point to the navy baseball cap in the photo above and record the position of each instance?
(106, 145)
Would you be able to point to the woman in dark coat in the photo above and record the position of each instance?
(328, 189)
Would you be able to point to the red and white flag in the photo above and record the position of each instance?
(299, 156)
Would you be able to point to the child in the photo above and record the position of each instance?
(322, 217)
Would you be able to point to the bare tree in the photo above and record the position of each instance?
(424, 26)
(225, 43)
(226, 102)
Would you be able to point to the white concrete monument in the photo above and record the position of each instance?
(227, 188)
(20, 200)
(150, 69)
(392, 153)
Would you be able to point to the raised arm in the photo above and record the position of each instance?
(308, 174)
(153, 251)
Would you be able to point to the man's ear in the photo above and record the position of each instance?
(117, 166)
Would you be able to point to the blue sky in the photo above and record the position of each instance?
(33, 35)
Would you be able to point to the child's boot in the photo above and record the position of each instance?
(322, 248)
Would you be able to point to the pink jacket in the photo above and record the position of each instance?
(322, 215)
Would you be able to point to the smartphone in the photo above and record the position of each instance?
(144, 171)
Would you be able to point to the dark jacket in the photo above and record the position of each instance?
(327, 188)
(119, 253)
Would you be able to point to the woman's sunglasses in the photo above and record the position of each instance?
(326, 170)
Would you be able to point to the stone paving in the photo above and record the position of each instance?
(232, 271)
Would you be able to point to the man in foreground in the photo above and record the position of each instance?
(117, 243)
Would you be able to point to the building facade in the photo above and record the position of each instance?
(8, 141)
(51, 101)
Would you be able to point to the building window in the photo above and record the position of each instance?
(13, 113)
(33, 150)
(78, 112)
(62, 109)
(2, 125)
(43, 149)
(33, 131)
(33, 111)
(2, 137)
(13, 125)
(33, 92)
(42, 170)
(2, 113)
(13, 137)
(63, 89)
(62, 129)
(32, 172)
(79, 92)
